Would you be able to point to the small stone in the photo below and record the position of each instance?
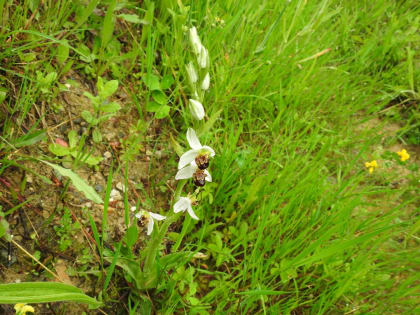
(77, 120)
(45, 214)
(107, 155)
(120, 186)
(29, 179)
(99, 188)
(114, 195)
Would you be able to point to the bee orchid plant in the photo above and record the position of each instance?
(192, 164)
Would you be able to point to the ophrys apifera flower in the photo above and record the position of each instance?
(185, 203)
(193, 171)
(198, 153)
(149, 217)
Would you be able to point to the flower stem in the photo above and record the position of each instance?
(158, 237)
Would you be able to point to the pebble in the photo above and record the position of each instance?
(120, 186)
(115, 195)
(29, 179)
(99, 188)
(107, 155)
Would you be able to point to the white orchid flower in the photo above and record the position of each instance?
(185, 203)
(197, 150)
(206, 82)
(192, 74)
(203, 57)
(150, 217)
(196, 109)
(189, 170)
(195, 40)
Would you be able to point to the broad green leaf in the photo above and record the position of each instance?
(30, 138)
(43, 292)
(159, 97)
(78, 182)
(109, 88)
(88, 117)
(97, 136)
(89, 160)
(112, 107)
(152, 82)
(58, 150)
(132, 18)
(167, 81)
(73, 139)
(62, 52)
(49, 79)
(152, 107)
(162, 112)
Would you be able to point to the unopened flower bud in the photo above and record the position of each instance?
(203, 57)
(206, 82)
(196, 109)
(195, 40)
(192, 74)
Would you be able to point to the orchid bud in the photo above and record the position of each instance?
(195, 40)
(206, 82)
(196, 109)
(192, 74)
(203, 58)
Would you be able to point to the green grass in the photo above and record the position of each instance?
(293, 223)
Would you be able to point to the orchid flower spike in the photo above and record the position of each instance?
(199, 153)
(196, 109)
(185, 203)
(150, 217)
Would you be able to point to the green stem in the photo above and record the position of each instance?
(158, 237)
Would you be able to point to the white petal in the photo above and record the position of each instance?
(182, 204)
(157, 216)
(208, 176)
(210, 150)
(196, 109)
(206, 82)
(150, 226)
(193, 139)
(138, 215)
(191, 213)
(133, 208)
(187, 158)
(186, 172)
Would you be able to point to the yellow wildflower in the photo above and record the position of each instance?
(403, 155)
(371, 165)
(21, 309)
